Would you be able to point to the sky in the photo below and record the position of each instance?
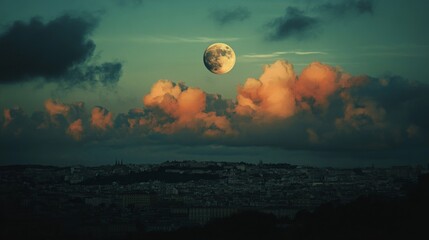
(334, 82)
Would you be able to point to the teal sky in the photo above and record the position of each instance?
(165, 39)
(366, 103)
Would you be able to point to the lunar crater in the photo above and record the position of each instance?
(219, 58)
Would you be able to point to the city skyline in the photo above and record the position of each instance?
(123, 200)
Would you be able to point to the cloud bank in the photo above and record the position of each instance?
(322, 108)
(58, 51)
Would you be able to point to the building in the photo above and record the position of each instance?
(204, 215)
(138, 199)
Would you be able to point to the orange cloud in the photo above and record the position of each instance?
(14, 120)
(75, 130)
(7, 117)
(176, 100)
(164, 95)
(101, 118)
(271, 96)
(279, 93)
(317, 81)
(190, 102)
(53, 108)
(186, 106)
(56, 109)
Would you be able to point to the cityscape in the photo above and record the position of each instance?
(121, 199)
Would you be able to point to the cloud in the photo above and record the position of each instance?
(54, 108)
(279, 93)
(269, 97)
(106, 74)
(176, 39)
(302, 53)
(293, 24)
(101, 119)
(60, 114)
(13, 116)
(279, 54)
(317, 81)
(227, 16)
(56, 51)
(185, 108)
(322, 108)
(296, 23)
(341, 111)
(75, 130)
(344, 8)
(7, 117)
(326, 108)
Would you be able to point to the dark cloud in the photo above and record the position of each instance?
(215, 103)
(343, 8)
(299, 24)
(106, 74)
(35, 49)
(56, 51)
(293, 24)
(227, 16)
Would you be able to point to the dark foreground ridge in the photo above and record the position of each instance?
(177, 200)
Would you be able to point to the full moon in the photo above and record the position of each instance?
(219, 58)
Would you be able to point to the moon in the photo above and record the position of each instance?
(219, 58)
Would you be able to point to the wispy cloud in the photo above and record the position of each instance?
(278, 54)
(170, 39)
(271, 55)
(304, 53)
